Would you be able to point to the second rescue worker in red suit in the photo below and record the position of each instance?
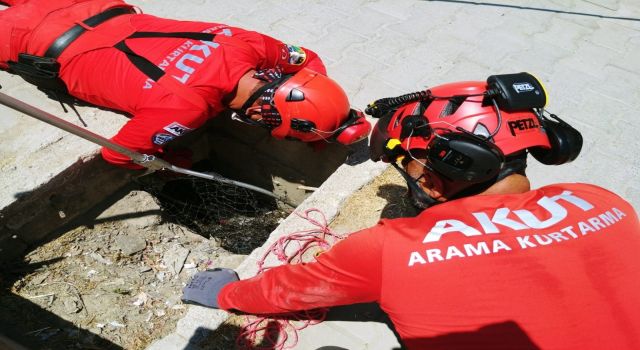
(184, 80)
(494, 265)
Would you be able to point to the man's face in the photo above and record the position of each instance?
(430, 183)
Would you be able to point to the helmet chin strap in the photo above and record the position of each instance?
(515, 164)
(242, 112)
(419, 197)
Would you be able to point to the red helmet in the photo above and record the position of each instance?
(471, 134)
(308, 106)
(465, 108)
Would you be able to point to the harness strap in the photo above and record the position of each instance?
(144, 65)
(186, 35)
(154, 72)
(64, 40)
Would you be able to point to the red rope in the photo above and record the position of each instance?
(282, 333)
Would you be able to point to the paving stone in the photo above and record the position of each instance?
(174, 259)
(231, 261)
(199, 317)
(173, 341)
(316, 336)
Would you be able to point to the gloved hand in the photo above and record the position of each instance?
(268, 74)
(204, 287)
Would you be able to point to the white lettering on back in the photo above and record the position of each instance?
(569, 230)
(453, 251)
(524, 242)
(499, 245)
(479, 249)
(433, 255)
(148, 84)
(595, 223)
(500, 217)
(542, 241)
(585, 228)
(608, 218)
(558, 236)
(416, 258)
(185, 68)
(578, 202)
(558, 213)
(618, 212)
(445, 226)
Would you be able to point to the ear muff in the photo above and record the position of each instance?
(565, 141)
(354, 129)
(462, 157)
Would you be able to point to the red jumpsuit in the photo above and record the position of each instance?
(96, 72)
(553, 268)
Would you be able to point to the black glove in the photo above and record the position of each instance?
(204, 287)
(268, 74)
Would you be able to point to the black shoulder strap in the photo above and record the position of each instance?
(64, 40)
(186, 35)
(143, 64)
(154, 72)
(146, 66)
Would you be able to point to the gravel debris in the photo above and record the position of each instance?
(115, 281)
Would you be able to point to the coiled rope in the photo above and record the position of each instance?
(281, 333)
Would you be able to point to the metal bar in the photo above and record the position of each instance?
(71, 128)
(148, 161)
(222, 179)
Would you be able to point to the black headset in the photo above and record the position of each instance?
(565, 141)
(463, 157)
(459, 157)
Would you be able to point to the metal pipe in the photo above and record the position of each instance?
(222, 179)
(146, 160)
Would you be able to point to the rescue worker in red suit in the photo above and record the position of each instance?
(489, 264)
(172, 76)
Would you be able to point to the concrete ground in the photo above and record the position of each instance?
(587, 52)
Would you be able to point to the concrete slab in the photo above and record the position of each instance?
(586, 52)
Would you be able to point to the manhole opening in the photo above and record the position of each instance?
(239, 218)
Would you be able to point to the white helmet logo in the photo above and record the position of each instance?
(523, 87)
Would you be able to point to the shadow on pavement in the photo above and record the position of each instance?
(34, 327)
(27, 323)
